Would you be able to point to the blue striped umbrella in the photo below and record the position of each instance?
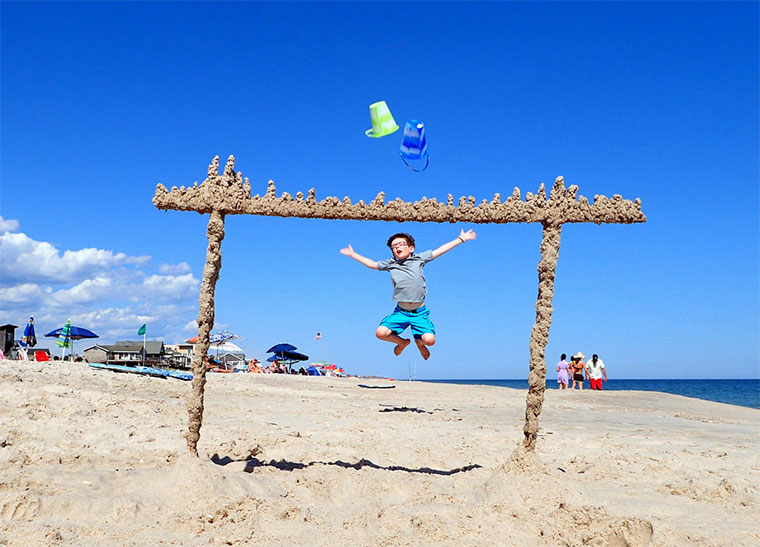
(64, 338)
(29, 340)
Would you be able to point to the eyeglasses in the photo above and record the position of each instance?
(399, 244)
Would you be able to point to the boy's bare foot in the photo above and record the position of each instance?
(424, 351)
(401, 346)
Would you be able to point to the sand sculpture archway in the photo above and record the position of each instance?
(228, 194)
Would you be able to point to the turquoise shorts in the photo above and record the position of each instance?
(418, 319)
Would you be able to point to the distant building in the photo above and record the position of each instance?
(183, 354)
(131, 354)
(231, 360)
(176, 359)
(96, 354)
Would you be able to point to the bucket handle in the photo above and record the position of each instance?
(427, 162)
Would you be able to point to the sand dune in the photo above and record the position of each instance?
(90, 457)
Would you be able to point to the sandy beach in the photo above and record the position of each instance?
(90, 457)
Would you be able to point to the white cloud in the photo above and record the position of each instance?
(102, 290)
(174, 269)
(85, 292)
(27, 260)
(171, 287)
(26, 293)
(7, 225)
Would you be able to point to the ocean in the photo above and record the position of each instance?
(733, 392)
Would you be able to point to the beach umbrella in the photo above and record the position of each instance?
(228, 347)
(281, 347)
(71, 333)
(29, 340)
(221, 341)
(221, 337)
(64, 338)
(75, 333)
(294, 356)
(215, 338)
(288, 357)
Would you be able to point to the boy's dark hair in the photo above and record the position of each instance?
(409, 239)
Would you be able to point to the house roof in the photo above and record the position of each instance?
(129, 346)
(97, 346)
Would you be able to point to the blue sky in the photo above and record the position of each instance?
(102, 101)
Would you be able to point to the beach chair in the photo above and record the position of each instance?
(40, 356)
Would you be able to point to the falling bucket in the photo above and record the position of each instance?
(413, 144)
(382, 121)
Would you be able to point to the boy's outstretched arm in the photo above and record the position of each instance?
(461, 238)
(349, 251)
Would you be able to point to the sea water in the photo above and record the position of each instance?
(733, 392)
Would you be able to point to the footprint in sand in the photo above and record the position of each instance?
(632, 532)
(26, 507)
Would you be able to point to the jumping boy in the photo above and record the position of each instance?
(409, 290)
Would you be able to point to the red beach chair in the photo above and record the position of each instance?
(40, 356)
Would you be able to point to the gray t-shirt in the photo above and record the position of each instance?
(407, 276)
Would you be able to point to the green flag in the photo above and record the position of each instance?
(142, 330)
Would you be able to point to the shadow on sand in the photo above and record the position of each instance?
(252, 464)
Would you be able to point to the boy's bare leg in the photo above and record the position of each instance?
(427, 339)
(387, 335)
(423, 349)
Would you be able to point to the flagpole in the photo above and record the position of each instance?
(143, 355)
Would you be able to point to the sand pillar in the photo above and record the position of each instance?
(215, 233)
(539, 336)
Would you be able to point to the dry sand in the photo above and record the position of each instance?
(91, 457)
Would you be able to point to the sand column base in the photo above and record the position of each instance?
(215, 233)
(539, 336)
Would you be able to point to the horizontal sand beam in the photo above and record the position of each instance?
(229, 194)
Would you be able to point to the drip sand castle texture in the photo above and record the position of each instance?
(230, 194)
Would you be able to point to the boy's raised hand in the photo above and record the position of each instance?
(469, 234)
(349, 252)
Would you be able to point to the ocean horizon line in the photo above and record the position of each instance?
(734, 391)
(525, 379)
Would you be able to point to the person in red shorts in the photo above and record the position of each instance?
(595, 371)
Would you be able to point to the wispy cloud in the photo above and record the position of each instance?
(174, 269)
(109, 292)
(8, 225)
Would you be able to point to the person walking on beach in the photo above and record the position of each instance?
(578, 366)
(595, 370)
(409, 290)
(562, 366)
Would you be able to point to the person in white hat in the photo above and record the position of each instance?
(595, 370)
(578, 367)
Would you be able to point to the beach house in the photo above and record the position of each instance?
(128, 353)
